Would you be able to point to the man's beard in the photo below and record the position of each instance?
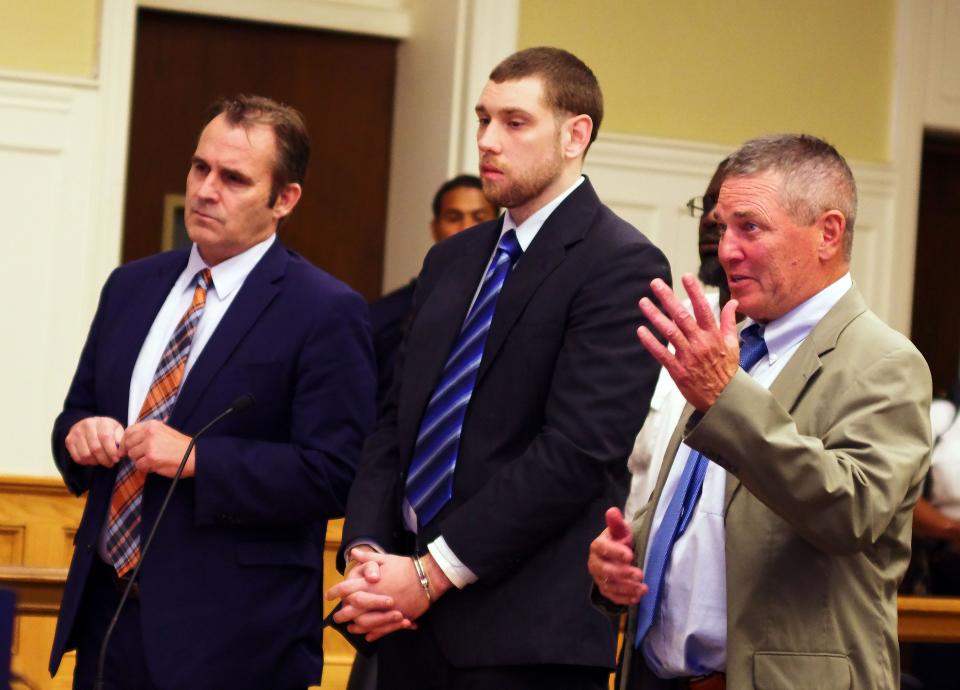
(711, 272)
(518, 189)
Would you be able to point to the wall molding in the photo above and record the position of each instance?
(387, 18)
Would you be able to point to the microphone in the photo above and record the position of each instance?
(240, 404)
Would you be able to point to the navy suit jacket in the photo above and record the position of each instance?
(562, 389)
(231, 588)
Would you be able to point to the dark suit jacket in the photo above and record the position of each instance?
(388, 318)
(231, 589)
(562, 389)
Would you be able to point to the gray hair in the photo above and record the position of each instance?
(815, 178)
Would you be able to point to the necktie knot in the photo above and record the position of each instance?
(752, 346)
(204, 279)
(510, 246)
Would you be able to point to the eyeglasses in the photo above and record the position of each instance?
(701, 205)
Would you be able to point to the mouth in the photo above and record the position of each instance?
(737, 280)
(206, 216)
(489, 171)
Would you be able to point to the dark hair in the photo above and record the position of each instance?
(289, 131)
(471, 181)
(569, 85)
(815, 178)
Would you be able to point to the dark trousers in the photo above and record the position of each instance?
(126, 662)
(411, 660)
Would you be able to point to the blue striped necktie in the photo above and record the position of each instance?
(684, 501)
(430, 479)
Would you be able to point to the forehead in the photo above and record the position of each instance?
(749, 194)
(515, 94)
(464, 198)
(235, 142)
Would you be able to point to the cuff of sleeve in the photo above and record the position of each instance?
(459, 574)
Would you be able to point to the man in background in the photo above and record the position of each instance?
(521, 387)
(458, 204)
(667, 402)
(776, 538)
(229, 595)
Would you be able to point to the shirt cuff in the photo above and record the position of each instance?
(459, 574)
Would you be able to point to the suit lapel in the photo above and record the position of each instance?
(802, 369)
(441, 316)
(566, 226)
(259, 289)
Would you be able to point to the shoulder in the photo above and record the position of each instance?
(309, 285)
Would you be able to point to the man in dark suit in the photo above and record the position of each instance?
(458, 204)
(229, 594)
(530, 418)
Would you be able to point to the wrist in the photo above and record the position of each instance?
(439, 582)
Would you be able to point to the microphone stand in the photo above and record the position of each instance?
(238, 405)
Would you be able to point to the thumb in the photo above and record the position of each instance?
(728, 327)
(617, 526)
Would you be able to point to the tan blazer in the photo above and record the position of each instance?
(824, 471)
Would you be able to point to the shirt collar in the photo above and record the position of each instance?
(529, 228)
(782, 334)
(227, 275)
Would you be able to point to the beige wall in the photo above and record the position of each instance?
(722, 72)
(51, 36)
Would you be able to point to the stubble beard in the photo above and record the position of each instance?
(516, 190)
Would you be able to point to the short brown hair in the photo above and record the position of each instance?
(815, 178)
(289, 131)
(569, 85)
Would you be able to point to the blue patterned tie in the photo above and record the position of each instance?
(430, 480)
(684, 501)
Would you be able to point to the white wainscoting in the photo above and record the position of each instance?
(648, 182)
(48, 193)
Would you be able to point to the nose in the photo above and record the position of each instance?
(728, 251)
(487, 140)
(208, 187)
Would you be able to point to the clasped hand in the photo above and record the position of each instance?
(705, 356)
(380, 595)
(612, 562)
(151, 445)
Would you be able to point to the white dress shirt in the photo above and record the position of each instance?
(689, 632)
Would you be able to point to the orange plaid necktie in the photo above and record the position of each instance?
(123, 526)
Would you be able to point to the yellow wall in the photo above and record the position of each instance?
(722, 72)
(52, 36)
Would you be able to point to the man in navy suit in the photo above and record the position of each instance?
(229, 595)
(483, 561)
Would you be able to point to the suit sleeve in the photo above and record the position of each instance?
(839, 489)
(305, 476)
(598, 397)
(81, 402)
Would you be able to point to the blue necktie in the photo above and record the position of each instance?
(430, 479)
(684, 501)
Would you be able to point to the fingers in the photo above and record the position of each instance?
(405, 624)
(365, 621)
(92, 441)
(624, 593)
(618, 527)
(344, 589)
(673, 308)
(370, 601)
(702, 310)
(728, 325)
(669, 329)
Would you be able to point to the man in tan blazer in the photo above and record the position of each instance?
(770, 553)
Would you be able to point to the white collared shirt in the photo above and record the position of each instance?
(689, 632)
